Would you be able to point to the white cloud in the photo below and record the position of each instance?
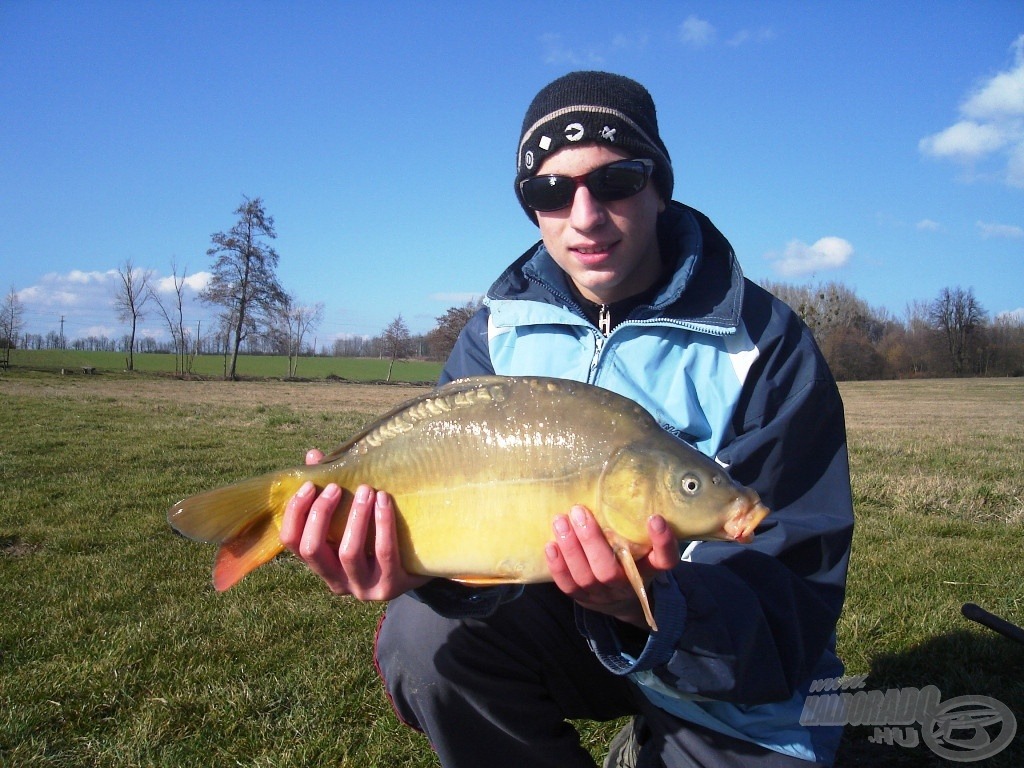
(1014, 315)
(558, 53)
(195, 282)
(85, 301)
(198, 281)
(992, 124)
(697, 32)
(99, 331)
(967, 140)
(802, 259)
(991, 229)
(1002, 95)
(50, 295)
(73, 289)
(76, 276)
(636, 41)
(927, 225)
(745, 36)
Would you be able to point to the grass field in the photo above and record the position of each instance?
(213, 366)
(115, 651)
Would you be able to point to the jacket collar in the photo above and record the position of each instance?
(704, 286)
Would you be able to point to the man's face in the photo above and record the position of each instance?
(609, 250)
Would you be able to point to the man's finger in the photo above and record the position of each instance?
(601, 560)
(295, 514)
(318, 522)
(353, 548)
(386, 539)
(664, 547)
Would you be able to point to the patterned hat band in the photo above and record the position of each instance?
(552, 132)
(587, 108)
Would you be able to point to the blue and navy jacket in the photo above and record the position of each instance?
(718, 361)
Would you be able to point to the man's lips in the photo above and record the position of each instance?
(588, 254)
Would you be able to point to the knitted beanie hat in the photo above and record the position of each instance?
(583, 107)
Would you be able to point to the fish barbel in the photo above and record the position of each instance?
(478, 469)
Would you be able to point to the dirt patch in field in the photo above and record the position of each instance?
(14, 546)
(313, 395)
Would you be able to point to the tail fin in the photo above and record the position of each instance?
(245, 518)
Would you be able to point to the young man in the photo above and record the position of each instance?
(641, 295)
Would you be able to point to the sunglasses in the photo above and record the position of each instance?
(615, 181)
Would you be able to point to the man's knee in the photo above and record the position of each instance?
(408, 639)
(409, 636)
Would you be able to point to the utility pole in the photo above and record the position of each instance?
(62, 331)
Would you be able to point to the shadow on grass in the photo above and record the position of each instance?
(971, 663)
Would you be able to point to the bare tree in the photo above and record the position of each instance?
(222, 334)
(827, 308)
(132, 294)
(851, 356)
(295, 321)
(352, 346)
(395, 341)
(174, 316)
(923, 351)
(1006, 342)
(244, 279)
(449, 326)
(12, 316)
(957, 316)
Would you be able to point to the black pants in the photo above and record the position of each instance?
(498, 691)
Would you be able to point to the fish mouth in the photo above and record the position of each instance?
(746, 514)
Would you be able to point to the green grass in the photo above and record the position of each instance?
(249, 366)
(938, 480)
(115, 651)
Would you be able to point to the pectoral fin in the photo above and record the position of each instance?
(625, 558)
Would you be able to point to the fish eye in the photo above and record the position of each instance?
(690, 484)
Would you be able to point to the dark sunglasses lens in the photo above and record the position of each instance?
(617, 181)
(548, 193)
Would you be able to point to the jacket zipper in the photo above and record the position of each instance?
(598, 347)
(604, 320)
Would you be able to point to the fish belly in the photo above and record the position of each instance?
(484, 532)
(476, 497)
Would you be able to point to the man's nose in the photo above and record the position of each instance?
(587, 211)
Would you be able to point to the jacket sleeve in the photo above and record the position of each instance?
(469, 357)
(749, 623)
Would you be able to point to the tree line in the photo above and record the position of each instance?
(951, 335)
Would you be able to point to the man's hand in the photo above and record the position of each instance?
(584, 566)
(366, 564)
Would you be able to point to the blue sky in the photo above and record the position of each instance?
(878, 144)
